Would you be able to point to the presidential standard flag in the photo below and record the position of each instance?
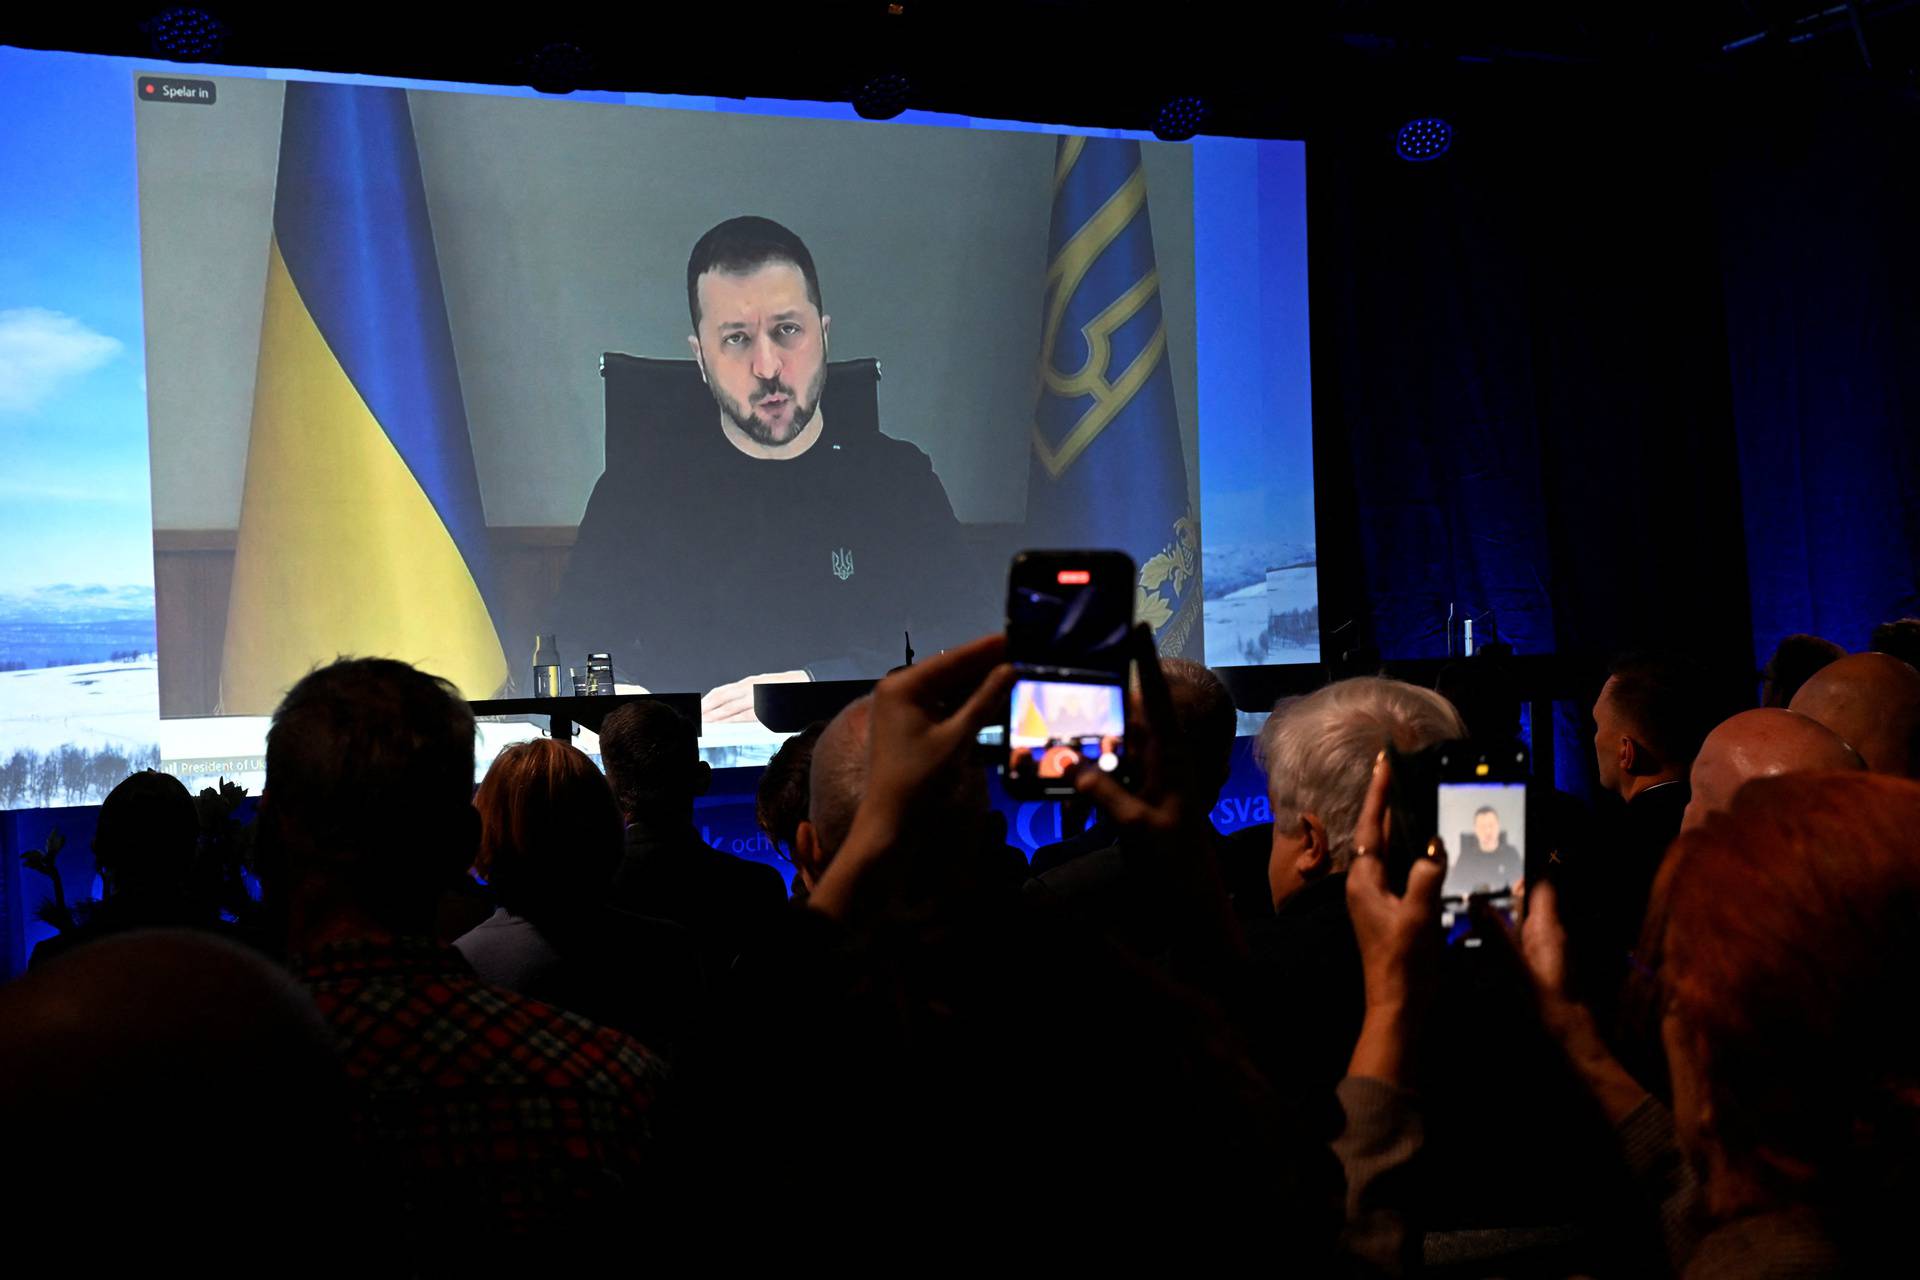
(360, 524)
(1108, 468)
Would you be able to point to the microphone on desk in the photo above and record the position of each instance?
(909, 636)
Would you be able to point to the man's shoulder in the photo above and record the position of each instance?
(455, 1030)
(1088, 872)
(599, 1057)
(878, 451)
(748, 877)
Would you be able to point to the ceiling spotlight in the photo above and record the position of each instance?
(560, 67)
(1425, 139)
(883, 97)
(1179, 119)
(185, 35)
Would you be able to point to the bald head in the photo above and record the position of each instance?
(839, 776)
(174, 1080)
(1762, 743)
(1873, 702)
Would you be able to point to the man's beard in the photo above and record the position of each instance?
(744, 417)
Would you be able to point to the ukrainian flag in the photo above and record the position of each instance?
(1108, 468)
(360, 525)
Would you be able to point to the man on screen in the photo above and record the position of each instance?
(1487, 862)
(786, 549)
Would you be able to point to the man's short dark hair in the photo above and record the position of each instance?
(1203, 711)
(1486, 808)
(148, 831)
(1671, 700)
(741, 246)
(780, 802)
(368, 750)
(649, 751)
(1792, 664)
(1900, 639)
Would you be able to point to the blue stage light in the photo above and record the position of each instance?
(185, 35)
(1179, 119)
(1425, 139)
(883, 97)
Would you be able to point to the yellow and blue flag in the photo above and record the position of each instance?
(1108, 466)
(361, 530)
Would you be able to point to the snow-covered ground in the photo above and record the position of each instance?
(1236, 622)
(94, 705)
(114, 706)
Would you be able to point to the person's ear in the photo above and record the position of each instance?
(699, 360)
(702, 777)
(807, 854)
(1629, 755)
(826, 322)
(1316, 852)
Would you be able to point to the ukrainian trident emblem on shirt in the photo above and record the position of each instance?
(843, 563)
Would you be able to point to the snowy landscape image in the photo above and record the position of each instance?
(1261, 604)
(79, 693)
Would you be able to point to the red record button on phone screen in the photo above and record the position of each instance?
(1074, 577)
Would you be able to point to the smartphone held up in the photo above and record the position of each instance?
(1068, 617)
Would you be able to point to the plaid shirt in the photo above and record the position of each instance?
(484, 1112)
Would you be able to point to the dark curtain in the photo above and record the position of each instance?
(1628, 366)
(1819, 215)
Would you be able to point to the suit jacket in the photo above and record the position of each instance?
(670, 873)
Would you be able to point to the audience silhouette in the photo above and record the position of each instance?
(144, 846)
(550, 841)
(1687, 1057)
(486, 1116)
(652, 759)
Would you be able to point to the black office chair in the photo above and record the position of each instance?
(655, 407)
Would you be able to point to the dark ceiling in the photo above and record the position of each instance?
(1267, 69)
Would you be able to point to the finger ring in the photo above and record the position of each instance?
(1436, 850)
(1360, 851)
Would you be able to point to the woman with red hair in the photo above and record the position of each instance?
(1786, 935)
(550, 840)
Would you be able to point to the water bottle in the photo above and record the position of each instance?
(546, 667)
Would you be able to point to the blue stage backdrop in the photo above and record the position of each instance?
(1618, 372)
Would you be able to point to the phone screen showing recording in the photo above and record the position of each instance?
(1056, 726)
(1484, 825)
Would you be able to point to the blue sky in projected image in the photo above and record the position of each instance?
(74, 495)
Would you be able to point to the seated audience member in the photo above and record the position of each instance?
(144, 846)
(1899, 638)
(978, 860)
(952, 1038)
(780, 801)
(652, 758)
(1649, 721)
(1795, 659)
(1318, 752)
(1783, 933)
(549, 843)
(1872, 701)
(1762, 743)
(177, 1102)
(1118, 888)
(488, 1115)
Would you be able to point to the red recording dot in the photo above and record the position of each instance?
(149, 88)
